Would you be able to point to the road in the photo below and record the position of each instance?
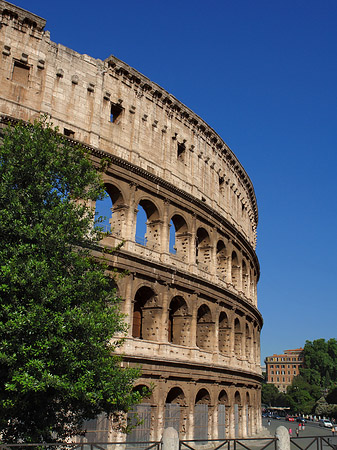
(311, 429)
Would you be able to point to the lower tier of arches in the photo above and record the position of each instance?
(197, 409)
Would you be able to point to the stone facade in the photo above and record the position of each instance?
(192, 311)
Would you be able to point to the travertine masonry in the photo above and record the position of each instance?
(191, 304)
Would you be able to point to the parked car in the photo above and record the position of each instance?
(301, 420)
(290, 418)
(325, 423)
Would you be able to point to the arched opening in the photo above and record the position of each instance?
(112, 211)
(221, 259)
(175, 400)
(205, 328)
(203, 249)
(179, 322)
(237, 338)
(139, 418)
(224, 334)
(223, 416)
(146, 315)
(201, 406)
(179, 237)
(148, 225)
(235, 270)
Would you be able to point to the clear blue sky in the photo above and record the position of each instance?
(263, 74)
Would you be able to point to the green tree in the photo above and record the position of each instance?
(59, 314)
(302, 396)
(269, 394)
(320, 362)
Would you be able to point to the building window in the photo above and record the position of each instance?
(181, 151)
(69, 133)
(115, 112)
(20, 73)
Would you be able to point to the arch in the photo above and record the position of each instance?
(175, 399)
(221, 259)
(146, 314)
(202, 402)
(143, 387)
(205, 328)
(237, 337)
(203, 248)
(179, 237)
(148, 225)
(178, 322)
(140, 419)
(237, 398)
(235, 270)
(113, 211)
(202, 397)
(224, 334)
(223, 397)
(176, 395)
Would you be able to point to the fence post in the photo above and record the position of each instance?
(283, 438)
(170, 439)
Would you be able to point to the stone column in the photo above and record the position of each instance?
(193, 334)
(192, 257)
(164, 290)
(127, 284)
(231, 428)
(131, 219)
(165, 230)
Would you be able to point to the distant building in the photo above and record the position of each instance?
(281, 369)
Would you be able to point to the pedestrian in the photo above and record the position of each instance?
(290, 432)
(268, 422)
(297, 432)
(333, 429)
(299, 425)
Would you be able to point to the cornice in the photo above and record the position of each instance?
(195, 366)
(24, 20)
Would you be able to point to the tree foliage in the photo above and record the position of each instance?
(271, 396)
(320, 362)
(59, 313)
(302, 396)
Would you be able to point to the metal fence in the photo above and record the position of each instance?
(296, 443)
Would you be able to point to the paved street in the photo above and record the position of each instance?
(311, 429)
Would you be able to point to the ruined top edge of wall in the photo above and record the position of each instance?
(22, 16)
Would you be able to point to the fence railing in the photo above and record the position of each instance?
(300, 443)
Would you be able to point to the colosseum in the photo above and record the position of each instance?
(190, 291)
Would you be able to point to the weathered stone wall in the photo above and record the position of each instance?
(194, 322)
